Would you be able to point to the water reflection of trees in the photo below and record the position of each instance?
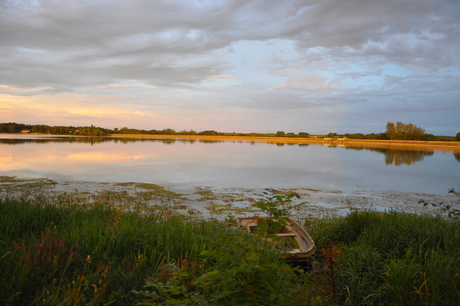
(400, 157)
(90, 140)
(457, 157)
(123, 140)
(96, 140)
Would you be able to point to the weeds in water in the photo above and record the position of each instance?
(446, 208)
(55, 251)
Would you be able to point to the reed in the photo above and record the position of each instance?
(394, 258)
(95, 254)
(58, 253)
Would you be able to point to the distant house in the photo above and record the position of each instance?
(25, 131)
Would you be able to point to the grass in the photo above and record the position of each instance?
(394, 258)
(66, 251)
(47, 250)
(97, 254)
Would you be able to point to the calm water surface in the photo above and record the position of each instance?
(186, 163)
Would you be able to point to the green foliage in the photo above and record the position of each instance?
(54, 253)
(366, 136)
(208, 132)
(304, 135)
(93, 254)
(401, 131)
(69, 130)
(246, 269)
(242, 274)
(13, 127)
(277, 207)
(423, 278)
(394, 258)
(65, 254)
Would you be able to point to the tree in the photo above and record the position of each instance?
(303, 134)
(401, 131)
(169, 132)
(391, 130)
(457, 137)
(280, 134)
(208, 132)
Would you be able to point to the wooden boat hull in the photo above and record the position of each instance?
(302, 249)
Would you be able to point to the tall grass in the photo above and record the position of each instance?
(69, 254)
(98, 254)
(58, 254)
(394, 258)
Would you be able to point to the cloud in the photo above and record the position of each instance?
(218, 77)
(158, 56)
(114, 86)
(22, 91)
(166, 43)
(5, 106)
(310, 82)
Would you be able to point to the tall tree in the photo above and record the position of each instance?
(401, 131)
(391, 130)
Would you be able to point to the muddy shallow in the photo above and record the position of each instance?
(219, 202)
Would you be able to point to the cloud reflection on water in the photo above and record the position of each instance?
(228, 164)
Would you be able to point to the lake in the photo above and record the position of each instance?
(185, 163)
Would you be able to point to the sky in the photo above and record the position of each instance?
(315, 66)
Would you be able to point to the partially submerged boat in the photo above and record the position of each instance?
(292, 236)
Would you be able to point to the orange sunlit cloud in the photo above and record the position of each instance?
(7, 88)
(99, 112)
(5, 106)
(65, 104)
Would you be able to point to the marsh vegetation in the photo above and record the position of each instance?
(66, 250)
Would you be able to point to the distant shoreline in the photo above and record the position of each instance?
(450, 146)
(407, 144)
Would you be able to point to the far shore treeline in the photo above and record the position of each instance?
(394, 131)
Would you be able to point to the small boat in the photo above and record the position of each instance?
(293, 236)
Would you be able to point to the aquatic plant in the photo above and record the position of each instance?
(447, 208)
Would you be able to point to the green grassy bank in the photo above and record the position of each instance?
(100, 255)
(393, 258)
